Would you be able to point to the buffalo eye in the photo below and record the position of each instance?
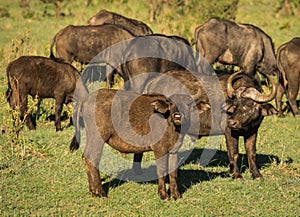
(160, 106)
(229, 106)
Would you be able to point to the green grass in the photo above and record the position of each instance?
(40, 177)
(49, 180)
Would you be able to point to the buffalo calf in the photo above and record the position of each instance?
(131, 123)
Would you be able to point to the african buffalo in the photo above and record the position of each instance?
(148, 56)
(234, 107)
(84, 43)
(140, 123)
(288, 61)
(244, 45)
(44, 78)
(138, 28)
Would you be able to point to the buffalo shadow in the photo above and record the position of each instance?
(189, 177)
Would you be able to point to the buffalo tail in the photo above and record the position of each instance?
(75, 143)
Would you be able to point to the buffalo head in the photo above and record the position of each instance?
(167, 108)
(246, 106)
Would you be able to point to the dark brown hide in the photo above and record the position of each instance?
(147, 56)
(288, 61)
(44, 78)
(92, 44)
(134, 137)
(243, 45)
(83, 43)
(137, 27)
(237, 117)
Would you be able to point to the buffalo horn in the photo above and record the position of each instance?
(230, 89)
(197, 95)
(255, 95)
(251, 92)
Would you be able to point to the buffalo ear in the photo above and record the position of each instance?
(228, 106)
(268, 109)
(160, 106)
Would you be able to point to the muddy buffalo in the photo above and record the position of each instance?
(137, 27)
(132, 123)
(44, 78)
(288, 61)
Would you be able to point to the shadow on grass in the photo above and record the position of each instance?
(64, 117)
(221, 159)
(187, 178)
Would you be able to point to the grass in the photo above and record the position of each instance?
(40, 177)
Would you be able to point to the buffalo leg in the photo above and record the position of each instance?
(93, 174)
(137, 165)
(233, 153)
(162, 169)
(292, 92)
(110, 74)
(91, 159)
(23, 100)
(279, 94)
(250, 146)
(173, 164)
(58, 110)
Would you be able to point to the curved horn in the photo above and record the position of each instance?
(257, 96)
(197, 95)
(230, 88)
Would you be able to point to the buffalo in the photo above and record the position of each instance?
(44, 78)
(140, 123)
(137, 27)
(147, 56)
(243, 45)
(235, 107)
(84, 43)
(288, 61)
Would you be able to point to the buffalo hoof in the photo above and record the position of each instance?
(280, 115)
(236, 176)
(31, 127)
(257, 177)
(99, 193)
(239, 178)
(176, 196)
(163, 195)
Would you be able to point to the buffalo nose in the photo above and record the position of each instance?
(233, 123)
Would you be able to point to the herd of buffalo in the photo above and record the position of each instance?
(169, 91)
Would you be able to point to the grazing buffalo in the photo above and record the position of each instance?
(147, 56)
(237, 109)
(140, 123)
(84, 43)
(243, 45)
(288, 61)
(138, 28)
(44, 78)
